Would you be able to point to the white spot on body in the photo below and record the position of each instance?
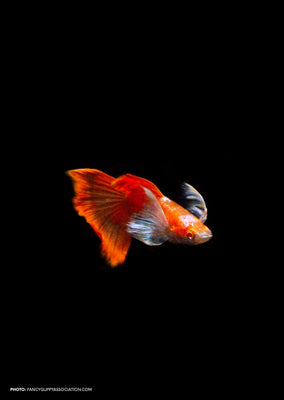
(186, 220)
(165, 200)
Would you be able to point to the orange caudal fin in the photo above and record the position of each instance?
(103, 207)
(130, 180)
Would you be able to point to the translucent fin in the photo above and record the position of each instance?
(104, 209)
(196, 204)
(149, 225)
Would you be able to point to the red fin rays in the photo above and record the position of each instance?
(115, 245)
(131, 181)
(104, 209)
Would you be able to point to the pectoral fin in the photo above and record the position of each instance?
(195, 202)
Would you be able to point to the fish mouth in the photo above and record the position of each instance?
(204, 237)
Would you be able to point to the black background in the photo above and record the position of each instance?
(168, 105)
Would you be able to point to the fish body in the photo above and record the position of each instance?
(126, 207)
(184, 227)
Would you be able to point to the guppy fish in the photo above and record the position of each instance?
(129, 206)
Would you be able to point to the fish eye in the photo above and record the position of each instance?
(189, 235)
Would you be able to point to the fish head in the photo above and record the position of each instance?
(198, 235)
(195, 231)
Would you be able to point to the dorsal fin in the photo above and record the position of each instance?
(149, 225)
